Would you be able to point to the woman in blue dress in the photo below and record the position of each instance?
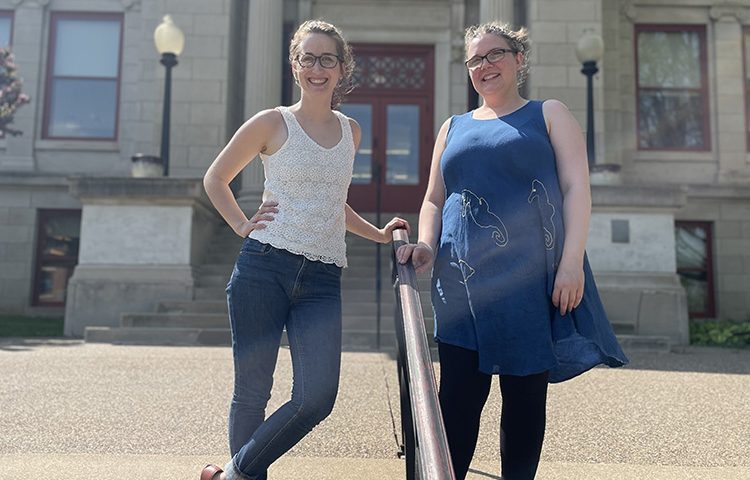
(504, 225)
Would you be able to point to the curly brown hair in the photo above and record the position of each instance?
(343, 51)
(517, 40)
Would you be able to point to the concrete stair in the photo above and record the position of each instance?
(203, 320)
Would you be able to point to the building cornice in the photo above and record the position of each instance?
(729, 11)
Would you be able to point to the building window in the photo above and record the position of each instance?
(6, 28)
(695, 266)
(672, 88)
(83, 76)
(746, 48)
(58, 234)
(6, 35)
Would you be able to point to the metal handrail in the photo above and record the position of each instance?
(426, 445)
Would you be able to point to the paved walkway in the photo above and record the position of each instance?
(72, 411)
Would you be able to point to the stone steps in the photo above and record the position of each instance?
(364, 307)
(365, 339)
(204, 321)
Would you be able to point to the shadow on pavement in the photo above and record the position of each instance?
(693, 359)
(18, 344)
(680, 359)
(484, 474)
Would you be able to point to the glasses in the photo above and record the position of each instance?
(327, 60)
(493, 56)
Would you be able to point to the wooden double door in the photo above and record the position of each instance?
(392, 102)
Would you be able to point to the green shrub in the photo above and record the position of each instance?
(722, 333)
(22, 326)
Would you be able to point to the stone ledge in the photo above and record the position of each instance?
(733, 192)
(19, 179)
(128, 190)
(661, 197)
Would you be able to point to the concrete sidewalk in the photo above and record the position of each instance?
(72, 411)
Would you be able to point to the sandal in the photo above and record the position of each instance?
(210, 471)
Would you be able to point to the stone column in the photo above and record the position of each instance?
(501, 10)
(28, 27)
(263, 77)
(730, 123)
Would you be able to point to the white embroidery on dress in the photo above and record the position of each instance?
(539, 193)
(475, 205)
(466, 270)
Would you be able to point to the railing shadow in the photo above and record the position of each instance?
(425, 444)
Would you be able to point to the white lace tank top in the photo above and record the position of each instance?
(310, 183)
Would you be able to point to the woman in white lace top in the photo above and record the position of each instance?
(288, 272)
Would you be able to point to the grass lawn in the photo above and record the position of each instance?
(22, 326)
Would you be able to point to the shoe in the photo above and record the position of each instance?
(209, 472)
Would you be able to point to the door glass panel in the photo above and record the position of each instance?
(362, 113)
(402, 147)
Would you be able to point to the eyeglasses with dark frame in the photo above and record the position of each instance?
(493, 56)
(327, 60)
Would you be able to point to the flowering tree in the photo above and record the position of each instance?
(11, 97)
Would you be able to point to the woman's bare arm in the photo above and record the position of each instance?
(572, 169)
(259, 134)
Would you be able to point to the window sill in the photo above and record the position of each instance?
(81, 145)
(673, 156)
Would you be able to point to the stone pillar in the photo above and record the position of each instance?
(730, 126)
(263, 77)
(28, 28)
(141, 239)
(631, 247)
(501, 10)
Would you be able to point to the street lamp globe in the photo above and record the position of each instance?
(590, 47)
(168, 37)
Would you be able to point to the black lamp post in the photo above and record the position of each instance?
(169, 41)
(589, 50)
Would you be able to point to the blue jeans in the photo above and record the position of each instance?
(271, 289)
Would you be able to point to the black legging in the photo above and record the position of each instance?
(463, 393)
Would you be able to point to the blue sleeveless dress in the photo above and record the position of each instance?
(501, 242)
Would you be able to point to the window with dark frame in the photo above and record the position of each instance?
(694, 245)
(6, 28)
(83, 76)
(6, 35)
(672, 88)
(58, 235)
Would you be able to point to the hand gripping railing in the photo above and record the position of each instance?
(425, 443)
